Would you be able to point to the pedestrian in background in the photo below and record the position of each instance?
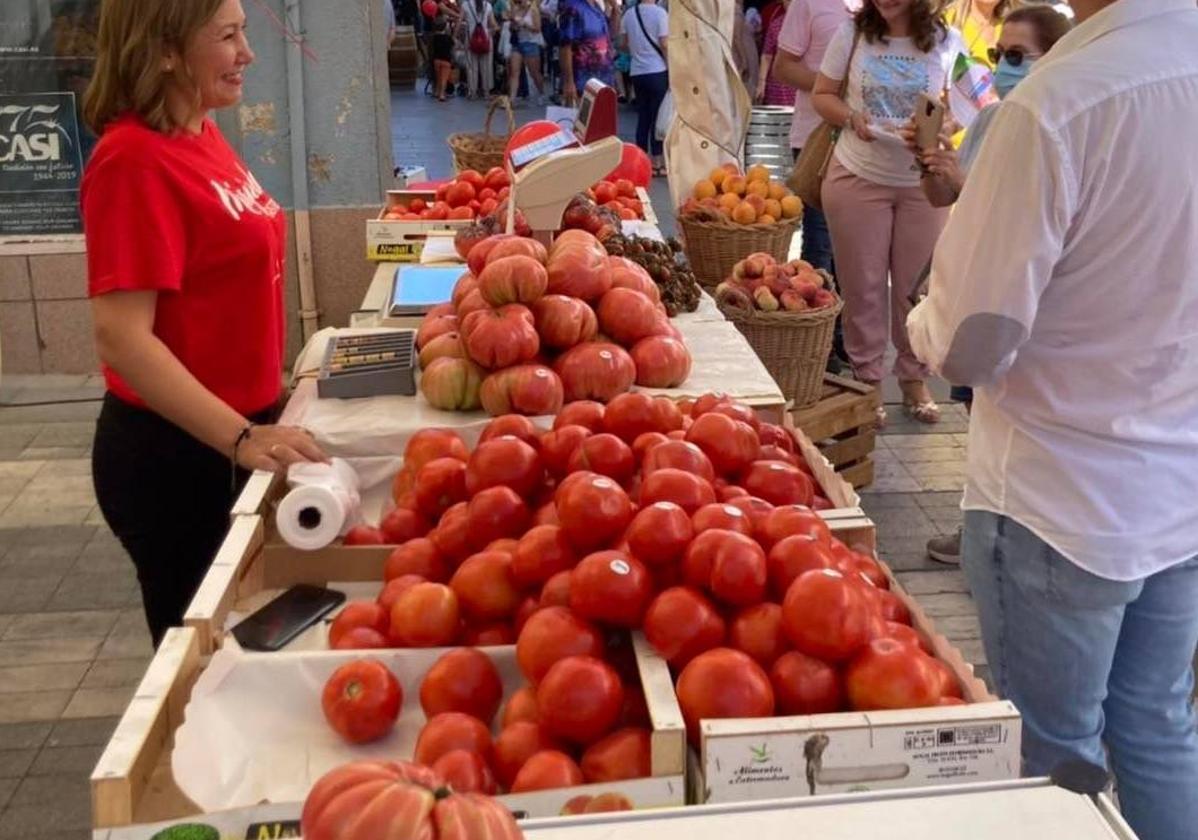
(646, 28)
(771, 89)
(807, 29)
(528, 45)
(883, 227)
(185, 270)
(1081, 531)
(478, 20)
(586, 51)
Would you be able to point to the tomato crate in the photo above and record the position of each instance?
(135, 782)
(390, 240)
(843, 425)
(845, 752)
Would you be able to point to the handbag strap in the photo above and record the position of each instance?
(848, 68)
(641, 21)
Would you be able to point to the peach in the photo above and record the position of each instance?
(717, 176)
(773, 207)
(766, 219)
(758, 188)
(778, 190)
(736, 184)
(728, 202)
(756, 202)
(744, 214)
(705, 189)
(791, 206)
(758, 173)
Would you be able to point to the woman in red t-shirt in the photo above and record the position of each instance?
(185, 257)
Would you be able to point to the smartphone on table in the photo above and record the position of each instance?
(275, 625)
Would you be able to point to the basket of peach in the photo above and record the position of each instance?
(787, 312)
(732, 213)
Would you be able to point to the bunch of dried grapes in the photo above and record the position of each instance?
(667, 265)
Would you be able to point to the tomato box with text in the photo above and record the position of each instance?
(399, 240)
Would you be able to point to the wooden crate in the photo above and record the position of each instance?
(842, 424)
(403, 58)
(767, 758)
(132, 784)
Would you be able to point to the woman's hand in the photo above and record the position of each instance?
(859, 123)
(944, 164)
(274, 448)
(907, 131)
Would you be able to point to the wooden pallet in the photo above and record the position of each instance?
(842, 426)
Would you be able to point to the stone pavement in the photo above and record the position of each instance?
(73, 644)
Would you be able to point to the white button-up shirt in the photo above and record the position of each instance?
(1066, 286)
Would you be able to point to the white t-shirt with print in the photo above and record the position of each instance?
(645, 59)
(885, 82)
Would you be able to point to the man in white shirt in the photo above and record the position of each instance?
(1065, 289)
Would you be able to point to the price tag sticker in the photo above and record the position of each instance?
(523, 155)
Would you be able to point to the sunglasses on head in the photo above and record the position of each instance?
(1015, 55)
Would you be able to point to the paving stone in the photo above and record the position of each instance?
(132, 622)
(69, 815)
(937, 501)
(23, 736)
(52, 761)
(30, 562)
(130, 646)
(910, 441)
(93, 591)
(99, 702)
(66, 434)
(58, 625)
(68, 466)
(895, 484)
(115, 673)
(930, 454)
(48, 790)
(33, 706)
(6, 620)
(83, 732)
(54, 453)
(37, 651)
(910, 561)
(873, 500)
(942, 482)
(25, 678)
(903, 523)
(960, 627)
(16, 763)
(30, 514)
(933, 583)
(24, 596)
(7, 788)
(947, 604)
(929, 469)
(38, 535)
(973, 651)
(19, 469)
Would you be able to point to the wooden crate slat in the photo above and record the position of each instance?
(849, 450)
(845, 405)
(859, 475)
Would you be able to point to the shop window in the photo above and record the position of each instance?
(47, 52)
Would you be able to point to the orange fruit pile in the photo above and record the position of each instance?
(746, 198)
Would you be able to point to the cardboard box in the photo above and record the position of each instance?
(132, 783)
(399, 241)
(847, 752)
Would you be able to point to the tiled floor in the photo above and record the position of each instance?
(72, 640)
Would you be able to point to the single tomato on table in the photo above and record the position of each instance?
(361, 700)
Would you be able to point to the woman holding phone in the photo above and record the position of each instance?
(185, 256)
(883, 227)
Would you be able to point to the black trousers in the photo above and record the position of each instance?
(166, 496)
(650, 90)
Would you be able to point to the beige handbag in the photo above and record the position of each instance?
(807, 178)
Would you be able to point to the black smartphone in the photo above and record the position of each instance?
(273, 626)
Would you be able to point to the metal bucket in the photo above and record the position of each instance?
(768, 140)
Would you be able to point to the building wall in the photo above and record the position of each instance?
(45, 323)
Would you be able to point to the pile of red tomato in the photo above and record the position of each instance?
(620, 196)
(470, 195)
(694, 521)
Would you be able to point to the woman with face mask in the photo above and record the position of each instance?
(1027, 34)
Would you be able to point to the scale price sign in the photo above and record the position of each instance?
(523, 155)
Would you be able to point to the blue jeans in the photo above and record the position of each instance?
(650, 91)
(1090, 661)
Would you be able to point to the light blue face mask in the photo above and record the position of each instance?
(1007, 76)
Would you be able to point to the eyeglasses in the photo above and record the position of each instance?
(1015, 55)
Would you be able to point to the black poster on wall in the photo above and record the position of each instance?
(41, 164)
(47, 53)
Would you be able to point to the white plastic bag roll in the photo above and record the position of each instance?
(325, 502)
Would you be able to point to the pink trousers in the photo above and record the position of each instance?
(882, 238)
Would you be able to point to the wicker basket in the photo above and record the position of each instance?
(481, 151)
(793, 346)
(714, 247)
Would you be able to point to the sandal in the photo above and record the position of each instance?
(924, 411)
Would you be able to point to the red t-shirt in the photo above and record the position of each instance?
(182, 215)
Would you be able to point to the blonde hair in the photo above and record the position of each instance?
(133, 40)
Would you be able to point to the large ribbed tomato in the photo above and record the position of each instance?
(365, 800)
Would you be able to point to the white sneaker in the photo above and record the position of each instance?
(946, 549)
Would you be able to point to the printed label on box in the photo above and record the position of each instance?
(810, 762)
